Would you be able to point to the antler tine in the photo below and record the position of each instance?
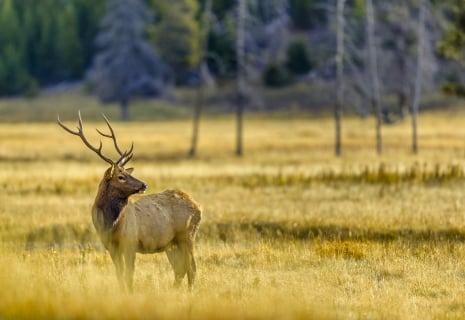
(61, 124)
(111, 135)
(80, 133)
(124, 156)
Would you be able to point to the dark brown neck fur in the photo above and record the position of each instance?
(110, 201)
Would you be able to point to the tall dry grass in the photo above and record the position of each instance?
(288, 231)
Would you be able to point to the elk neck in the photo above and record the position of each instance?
(109, 203)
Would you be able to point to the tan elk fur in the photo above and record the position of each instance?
(166, 221)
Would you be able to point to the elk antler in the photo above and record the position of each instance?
(124, 156)
(80, 133)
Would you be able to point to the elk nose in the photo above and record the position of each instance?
(143, 188)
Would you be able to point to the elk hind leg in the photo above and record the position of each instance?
(176, 258)
(190, 263)
(190, 260)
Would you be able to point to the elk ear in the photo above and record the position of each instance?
(109, 173)
(129, 170)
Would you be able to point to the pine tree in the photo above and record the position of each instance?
(453, 47)
(88, 15)
(10, 31)
(45, 43)
(126, 65)
(69, 47)
(14, 78)
(177, 36)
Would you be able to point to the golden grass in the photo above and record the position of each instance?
(289, 231)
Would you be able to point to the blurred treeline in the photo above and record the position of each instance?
(45, 42)
(50, 41)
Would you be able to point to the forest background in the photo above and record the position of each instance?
(55, 43)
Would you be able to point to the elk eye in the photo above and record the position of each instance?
(121, 178)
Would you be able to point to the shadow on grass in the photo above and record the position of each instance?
(75, 235)
(230, 232)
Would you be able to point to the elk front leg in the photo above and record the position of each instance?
(117, 259)
(129, 260)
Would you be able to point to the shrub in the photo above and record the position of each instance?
(306, 14)
(299, 60)
(276, 75)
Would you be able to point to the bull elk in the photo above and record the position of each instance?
(166, 221)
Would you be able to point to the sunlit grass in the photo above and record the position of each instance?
(288, 231)
(265, 279)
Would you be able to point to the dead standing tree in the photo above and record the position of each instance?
(259, 34)
(240, 77)
(202, 75)
(374, 78)
(419, 73)
(340, 75)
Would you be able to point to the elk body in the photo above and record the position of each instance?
(166, 221)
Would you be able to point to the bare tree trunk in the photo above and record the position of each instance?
(418, 76)
(375, 99)
(196, 120)
(401, 104)
(201, 85)
(239, 128)
(240, 80)
(124, 105)
(340, 75)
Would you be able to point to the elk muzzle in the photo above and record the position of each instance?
(143, 188)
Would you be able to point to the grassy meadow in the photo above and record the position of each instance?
(288, 231)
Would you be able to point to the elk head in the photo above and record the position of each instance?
(117, 178)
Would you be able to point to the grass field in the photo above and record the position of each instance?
(288, 232)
